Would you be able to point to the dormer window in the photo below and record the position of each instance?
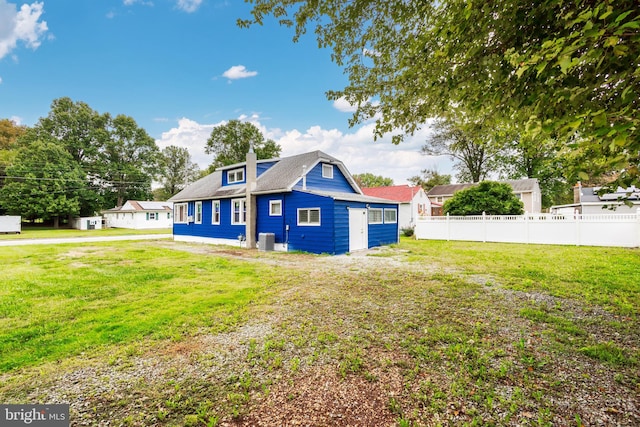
(236, 175)
(327, 171)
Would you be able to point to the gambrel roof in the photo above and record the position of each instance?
(281, 177)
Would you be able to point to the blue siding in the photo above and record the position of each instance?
(383, 234)
(341, 214)
(222, 231)
(266, 223)
(314, 239)
(315, 181)
(262, 167)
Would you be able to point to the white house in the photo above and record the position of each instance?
(140, 215)
(413, 202)
(586, 200)
(527, 190)
(87, 223)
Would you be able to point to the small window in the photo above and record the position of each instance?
(375, 216)
(236, 175)
(439, 199)
(168, 215)
(327, 171)
(198, 213)
(390, 216)
(215, 212)
(151, 216)
(180, 213)
(275, 207)
(238, 212)
(309, 216)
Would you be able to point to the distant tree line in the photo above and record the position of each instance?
(78, 162)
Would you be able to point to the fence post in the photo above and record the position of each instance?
(638, 228)
(526, 226)
(578, 218)
(448, 228)
(484, 227)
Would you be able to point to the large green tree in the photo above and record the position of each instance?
(230, 142)
(44, 182)
(129, 160)
(368, 179)
(10, 132)
(472, 145)
(492, 198)
(567, 69)
(177, 170)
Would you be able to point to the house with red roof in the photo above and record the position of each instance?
(413, 201)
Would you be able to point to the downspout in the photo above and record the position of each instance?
(251, 173)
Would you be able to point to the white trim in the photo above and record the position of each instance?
(180, 219)
(243, 212)
(234, 173)
(197, 212)
(370, 211)
(273, 203)
(384, 215)
(327, 171)
(213, 212)
(309, 224)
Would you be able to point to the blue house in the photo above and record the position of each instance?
(308, 202)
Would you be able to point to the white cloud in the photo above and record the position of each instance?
(189, 6)
(22, 25)
(238, 72)
(341, 104)
(142, 2)
(0, 80)
(356, 149)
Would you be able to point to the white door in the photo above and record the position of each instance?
(358, 235)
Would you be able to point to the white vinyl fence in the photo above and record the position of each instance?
(588, 230)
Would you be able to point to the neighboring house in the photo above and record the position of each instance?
(140, 215)
(527, 190)
(413, 202)
(587, 201)
(308, 202)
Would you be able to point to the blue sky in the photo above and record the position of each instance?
(181, 67)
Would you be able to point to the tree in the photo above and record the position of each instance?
(568, 70)
(365, 180)
(177, 171)
(472, 146)
(230, 143)
(10, 132)
(492, 198)
(44, 182)
(130, 161)
(429, 179)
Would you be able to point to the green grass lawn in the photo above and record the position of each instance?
(442, 333)
(57, 301)
(37, 232)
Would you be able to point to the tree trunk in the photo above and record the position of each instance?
(56, 222)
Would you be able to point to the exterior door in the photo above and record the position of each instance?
(358, 229)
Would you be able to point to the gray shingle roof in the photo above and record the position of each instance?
(518, 185)
(280, 177)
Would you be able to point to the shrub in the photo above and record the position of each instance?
(492, 198)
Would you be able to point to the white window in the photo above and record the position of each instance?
(238, 212)
(151, 216)
(180, 213)
(198, 213)
(390, 216)
(236, 175)
(309, 216)
(439, 199)
(215, 212)
(275, 207)
(327, 171)
(375, 216)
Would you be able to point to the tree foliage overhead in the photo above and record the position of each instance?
(367, 180)
(229, 143)
(567, 69)
(492, 198)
